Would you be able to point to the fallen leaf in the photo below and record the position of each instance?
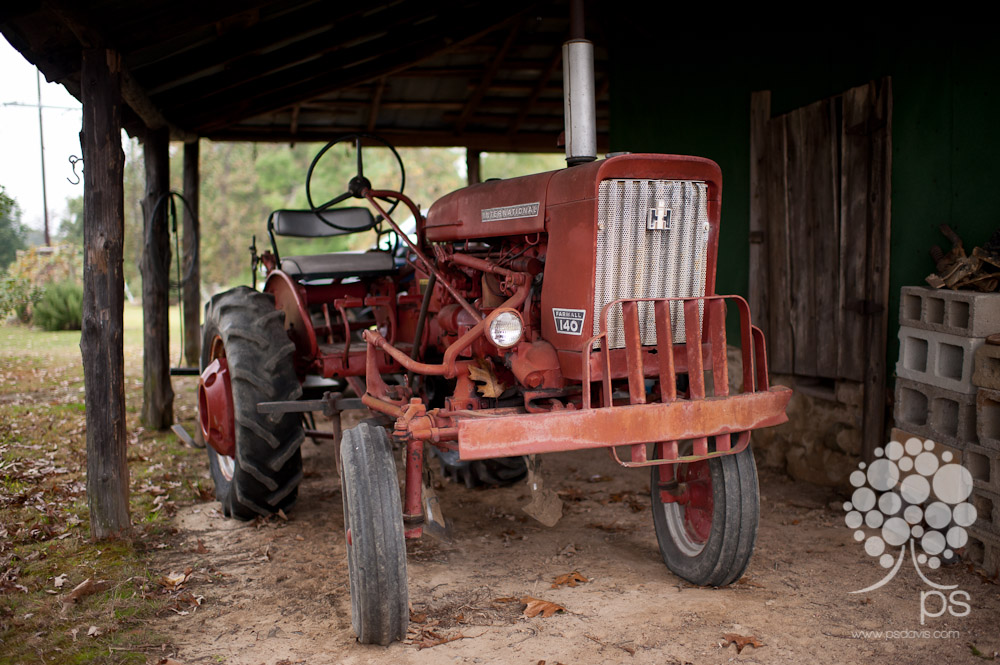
(426, 638)
(483, 374)
(536, 606)
(174, 581)
(94, 632)
(418, 618)
(59, 581)
(73, 633)
(201, 549)
(569, 579)
(282, 515)
(741, 641)
(85, 588)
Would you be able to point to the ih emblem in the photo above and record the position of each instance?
(658, 218)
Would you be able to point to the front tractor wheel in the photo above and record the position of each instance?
(373, 524)
(707, 532)
(246, 358)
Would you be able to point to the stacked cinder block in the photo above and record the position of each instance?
(948, 390)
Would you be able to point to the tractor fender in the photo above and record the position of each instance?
(290, 298)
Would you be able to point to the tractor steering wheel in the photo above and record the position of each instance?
(357, 185)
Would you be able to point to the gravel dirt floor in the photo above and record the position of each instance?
(276, 592)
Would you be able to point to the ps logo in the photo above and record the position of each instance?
(658, 218)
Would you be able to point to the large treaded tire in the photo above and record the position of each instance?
(376, 548)
(267, 468)
(735, 515)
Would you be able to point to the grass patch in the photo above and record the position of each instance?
(45, 547)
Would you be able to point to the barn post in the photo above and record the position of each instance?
(103, 293)
(472, 166)
(192, 264)
(157, 395)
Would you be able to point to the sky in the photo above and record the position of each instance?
(20, 162)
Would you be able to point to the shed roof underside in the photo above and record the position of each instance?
(484, 75)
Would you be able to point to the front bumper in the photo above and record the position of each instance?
(527, 434)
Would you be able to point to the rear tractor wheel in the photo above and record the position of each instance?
(246, 358)
(707, 533)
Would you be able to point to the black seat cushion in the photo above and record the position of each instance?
(338, 264)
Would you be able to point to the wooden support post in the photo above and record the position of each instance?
(103, 293)
(472, 164)
(192, 264)
(157, 395)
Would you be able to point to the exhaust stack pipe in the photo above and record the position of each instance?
(580, 105)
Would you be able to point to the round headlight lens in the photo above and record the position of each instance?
(506, 329)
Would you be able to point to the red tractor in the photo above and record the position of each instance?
(559, 311)
(554, 312)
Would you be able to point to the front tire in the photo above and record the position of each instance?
(243, 326)
(708, 540)
(373, 524)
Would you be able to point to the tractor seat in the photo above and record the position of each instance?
(338, 264)
(340, 221)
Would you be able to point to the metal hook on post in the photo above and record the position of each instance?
(73, 159)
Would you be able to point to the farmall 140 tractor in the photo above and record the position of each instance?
(553, 312)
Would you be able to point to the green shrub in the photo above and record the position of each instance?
(61, 307)
(17, 294)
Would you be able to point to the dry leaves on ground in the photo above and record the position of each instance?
(174, 581)
(569, 579)
(426, 637)
(741, 641)
(83, 589)
(536, 606)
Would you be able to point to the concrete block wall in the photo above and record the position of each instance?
(937, 358)
(934, 413)
(963, 313)
(983, 550)
(948, 390)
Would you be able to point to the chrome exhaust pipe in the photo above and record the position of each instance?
(579, 98)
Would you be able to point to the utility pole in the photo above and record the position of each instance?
(41, 144)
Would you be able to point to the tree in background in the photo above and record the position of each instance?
(13, 234)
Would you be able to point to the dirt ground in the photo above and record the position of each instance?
(277, 592)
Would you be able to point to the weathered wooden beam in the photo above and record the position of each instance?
(880, 220)
(192, 252)
(472, 165)
(76, 20)
(492, 142)
(760, 114)
(103, 294)
(375, 104)
(157, 394)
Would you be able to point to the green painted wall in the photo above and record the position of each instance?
(946, 103)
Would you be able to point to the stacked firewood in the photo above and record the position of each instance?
(979, 271)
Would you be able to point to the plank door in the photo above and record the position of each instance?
(819, 239)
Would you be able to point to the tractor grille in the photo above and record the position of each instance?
(634, 262)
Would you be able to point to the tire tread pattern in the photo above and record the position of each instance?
(377, 553)
(268, 466)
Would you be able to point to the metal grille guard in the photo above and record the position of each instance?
(665, 422)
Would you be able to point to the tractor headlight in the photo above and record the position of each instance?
(506, 328)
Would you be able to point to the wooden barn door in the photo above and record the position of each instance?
(819, 239)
